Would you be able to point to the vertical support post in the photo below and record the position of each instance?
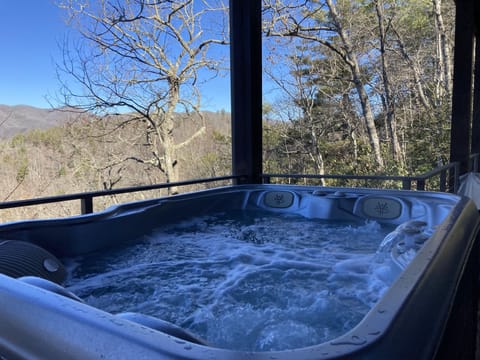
(246, 89)
(455, 176)
(406, 184)
(443, 181)
(462, 84)
(421, 184)
(476, 99)
(86, 204)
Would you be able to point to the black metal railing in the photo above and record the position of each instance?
(448, 181)
(448, 178)
(86, 198)
(474, 160)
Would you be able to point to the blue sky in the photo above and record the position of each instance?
(30, 31)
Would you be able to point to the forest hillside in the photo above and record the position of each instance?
(73, 152)
(47, 153)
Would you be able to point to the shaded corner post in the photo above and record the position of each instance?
(476, 87)
(246, 89)
(462, 84)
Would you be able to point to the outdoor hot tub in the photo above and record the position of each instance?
(246, 272)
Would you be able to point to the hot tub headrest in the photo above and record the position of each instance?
(21, 258)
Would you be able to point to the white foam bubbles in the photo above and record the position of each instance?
(367, 277)
(244, 281)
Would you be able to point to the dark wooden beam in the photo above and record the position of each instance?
(476, 84)
(476, 100)
(462, 84)
(246, 89)
(477, 18)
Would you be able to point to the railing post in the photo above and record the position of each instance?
(86, 205)
(456, 175)
(443, 181)
(474, 159)
(421, 184)
(406, 184)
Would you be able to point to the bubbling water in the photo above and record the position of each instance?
(244, 281)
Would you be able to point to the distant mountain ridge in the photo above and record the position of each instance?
(21, 118)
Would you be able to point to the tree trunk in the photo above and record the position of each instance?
(166, 132)
(389, 98)
(170, 169)
(316, 154)
(444, 58)
(353, 64)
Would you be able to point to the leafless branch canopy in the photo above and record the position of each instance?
(144, 57)
(139, 54)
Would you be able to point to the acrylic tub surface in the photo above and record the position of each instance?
(407, 322)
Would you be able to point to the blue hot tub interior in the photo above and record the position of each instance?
(409, 321)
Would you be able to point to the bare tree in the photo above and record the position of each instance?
(309, 82)
(147, 58)
(388, 96)
(317, 20)
(445, 64)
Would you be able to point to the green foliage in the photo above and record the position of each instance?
(209, 163)
(22, 170)
(416, 16)
(220, 138)
(17, 141)
(51, 137)
(62, 171)
(272, 148)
